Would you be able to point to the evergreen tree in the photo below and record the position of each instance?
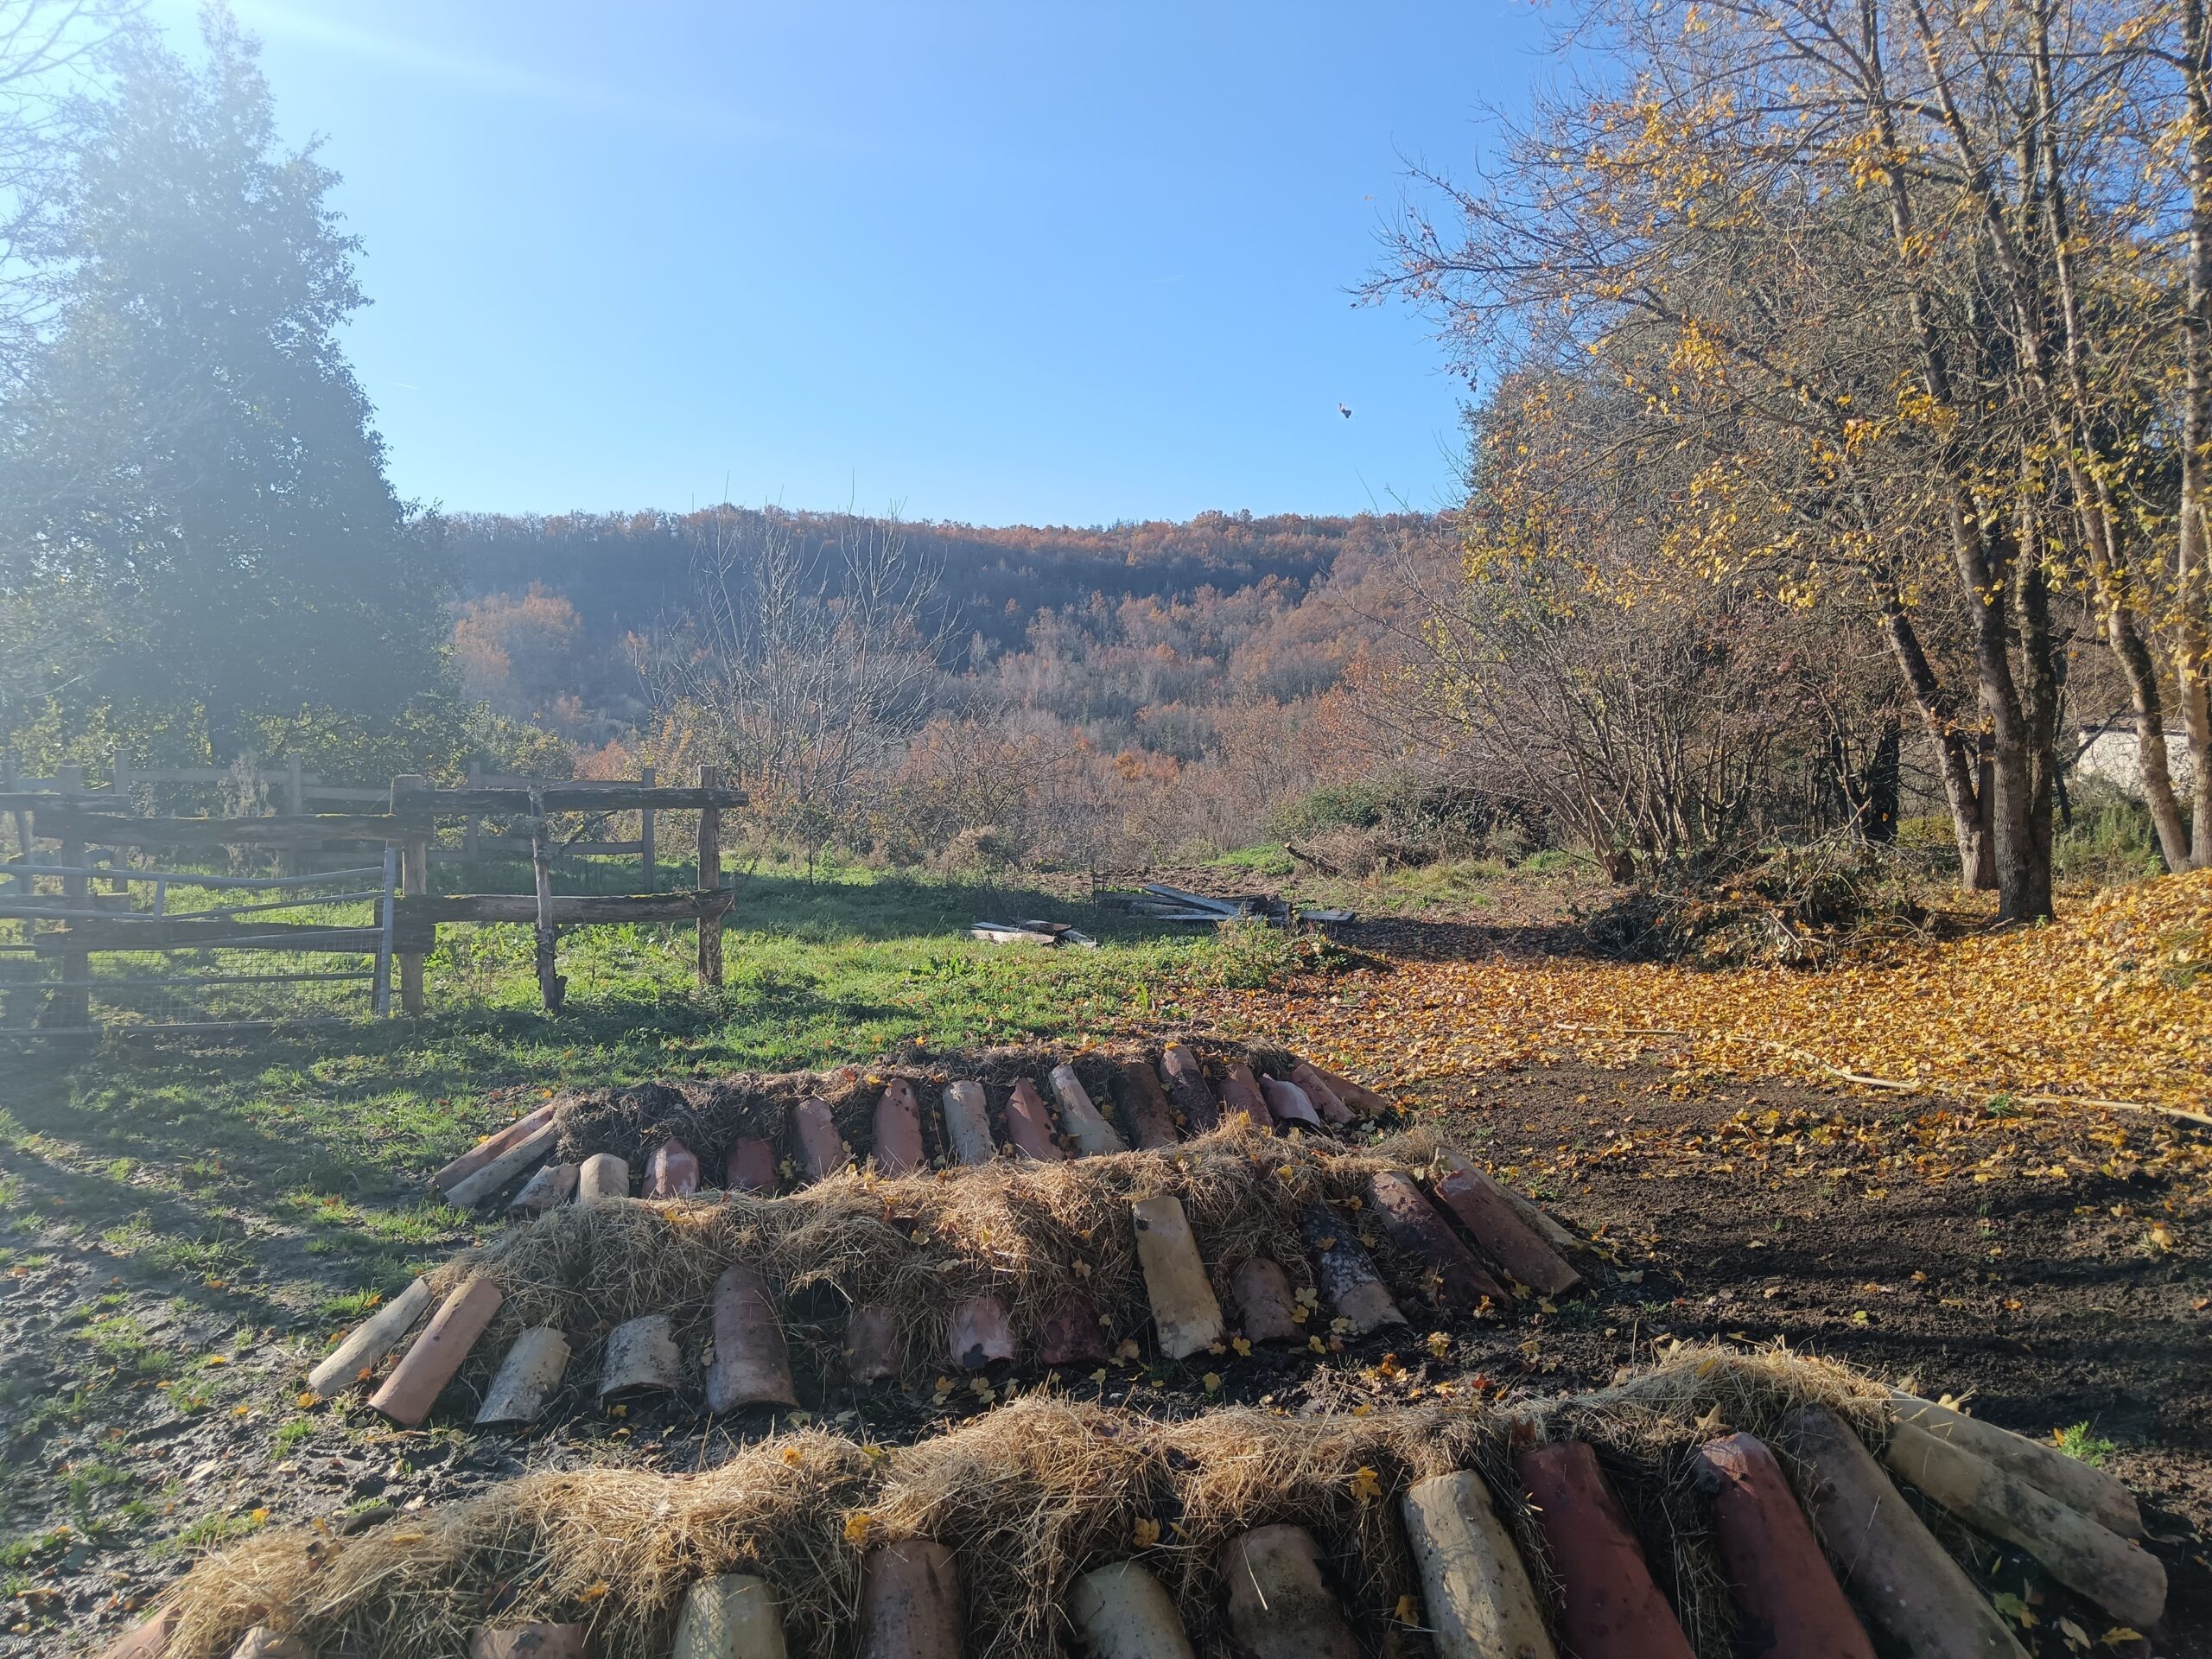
(193, 508)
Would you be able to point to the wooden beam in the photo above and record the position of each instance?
(550, 985)
(569, 909)
(415, 881)
(417, 920)
(561, 849)
(73, 1005)
(573, 798)
(711, 876)
(57, 821)
(178, 932)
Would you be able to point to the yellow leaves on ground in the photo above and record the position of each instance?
(2113, 1001)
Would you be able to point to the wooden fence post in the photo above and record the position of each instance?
(710, 877)
(550, 986)
(645, 828)
(469, 823)
(23, 833)
(296, 803)
(73, 1006)
(414, 882)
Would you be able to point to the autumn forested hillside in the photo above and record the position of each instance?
(630, 571)
(1115, 659)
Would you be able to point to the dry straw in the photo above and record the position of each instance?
(1028, 1495)
(1033, 1234)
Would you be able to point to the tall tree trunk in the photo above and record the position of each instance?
(2103, 523)
(1879, 782)
(2153, 764)
(2192, 650)
(1955, 761)
(2022, 879)
(2193, 665)
(2041, 687)
(2123, 633)
(1999, 839)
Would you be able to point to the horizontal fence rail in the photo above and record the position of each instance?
(62, 995)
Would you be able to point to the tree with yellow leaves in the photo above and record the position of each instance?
(1913, 290)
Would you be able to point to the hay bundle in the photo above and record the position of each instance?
(1031, 1234)
(1027, 1496)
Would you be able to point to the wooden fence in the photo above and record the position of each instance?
(93, 913)
(292, 783)
(79, 818)
(417, 808)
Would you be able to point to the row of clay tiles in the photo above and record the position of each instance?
(751, 1363)
(1158, 1115)
(1478, 1598)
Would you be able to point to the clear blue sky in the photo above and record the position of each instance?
(1001, 262)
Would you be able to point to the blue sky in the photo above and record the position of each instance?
(1038, 263)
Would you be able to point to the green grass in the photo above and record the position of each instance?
(1537, 888)
(174, 1154)
(1272, 860)
(118, 1343)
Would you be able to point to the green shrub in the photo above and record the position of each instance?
(2109, 841)
(1408, 820)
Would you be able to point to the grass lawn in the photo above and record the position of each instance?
(318, 1120)
(183, 1222)
(1538, 888)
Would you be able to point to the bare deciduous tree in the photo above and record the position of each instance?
(809, 666)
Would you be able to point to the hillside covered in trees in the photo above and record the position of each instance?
(1186, 679)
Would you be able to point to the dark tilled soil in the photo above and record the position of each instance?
(2048, 1300)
